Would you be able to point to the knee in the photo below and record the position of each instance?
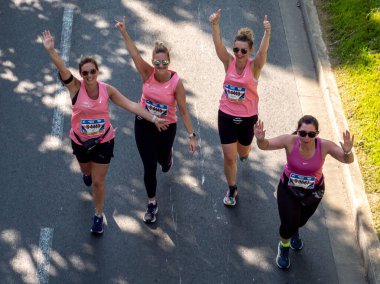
(98, 184)
(230, 159)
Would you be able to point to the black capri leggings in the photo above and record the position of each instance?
(293, 214)
(154, 147)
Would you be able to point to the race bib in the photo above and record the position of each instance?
(156, 109)
(92, 127)
(305, 182)
(234, 94)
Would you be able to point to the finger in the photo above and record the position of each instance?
(218, 11)
(265, 18)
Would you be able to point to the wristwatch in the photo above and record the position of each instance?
(192, 135)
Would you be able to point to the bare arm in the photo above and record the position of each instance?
(180, 96)
(220, 49)
(48, 42)
(261, 55)
(276, 143)
(134, 107)
(344, 153)
(142, 66)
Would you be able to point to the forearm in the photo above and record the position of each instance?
(129, 44)
(57, 61)
(261, 56)
(187, 122)
(137, 109)
(263, 144)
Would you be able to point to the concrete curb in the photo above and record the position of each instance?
(367, 239)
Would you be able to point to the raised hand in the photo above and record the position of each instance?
(348, 141)
(47, 40)
(120, 24)
(259, 130)
(266, 24)
(215, 17)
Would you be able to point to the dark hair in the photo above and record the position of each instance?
(245, 34)
(307, 119)
(160, 47)
(85, 60)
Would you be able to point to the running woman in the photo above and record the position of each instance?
(301, 185)
(238, 110)
(162, 92)
(90, 122)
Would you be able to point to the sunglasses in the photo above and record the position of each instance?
(164, 62)
(311, 134)
(243, 50)
(92, 72)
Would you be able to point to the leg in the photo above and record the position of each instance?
(146, 141)
(243, 150)
(230, 166)
(289, 209)
(165, 147)
(245, 136)
(98, 173)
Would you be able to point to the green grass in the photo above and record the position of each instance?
(352, 29)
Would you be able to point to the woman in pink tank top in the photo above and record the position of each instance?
(92, 135)
(162, 92)
(301, 185)
(238, 110)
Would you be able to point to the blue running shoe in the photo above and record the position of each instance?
(87, 179)
(243, 159)
(296, 242)
(282, 259)
(97, 227)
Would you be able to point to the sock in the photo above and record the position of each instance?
(285, 245)
(152, 202)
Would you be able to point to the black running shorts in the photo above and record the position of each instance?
(236, 129)
(101, 154)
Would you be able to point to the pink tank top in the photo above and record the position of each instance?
(240, 96)
(159, 98)
(90, 118)
(304, 172)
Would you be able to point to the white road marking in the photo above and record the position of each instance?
(67, 24)
(46, 240)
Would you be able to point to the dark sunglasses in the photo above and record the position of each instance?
(92, 72)
(243, 50)
(164, 62)
(311, 134)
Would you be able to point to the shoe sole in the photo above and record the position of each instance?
(97, 233)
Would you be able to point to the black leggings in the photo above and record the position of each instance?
(293, 214)
(154, 147)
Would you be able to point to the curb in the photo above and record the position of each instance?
(365, 233)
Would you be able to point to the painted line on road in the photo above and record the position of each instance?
(46, 240)
(58, 116)
(200, 144)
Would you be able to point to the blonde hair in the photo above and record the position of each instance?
(245, 34)
(160, 47)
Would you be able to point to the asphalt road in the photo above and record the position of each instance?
(46, 209)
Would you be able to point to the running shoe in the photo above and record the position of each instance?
(87, 179)
(243, 159)
(230, 198)
(282, 259)
(296, 242)
(97, 227)
(151, 212)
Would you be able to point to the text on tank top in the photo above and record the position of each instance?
(90, 117)
(159, 97)
(239, 97)
(305, 173)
